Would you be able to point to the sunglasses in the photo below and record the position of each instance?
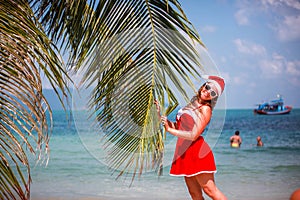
(212, 93)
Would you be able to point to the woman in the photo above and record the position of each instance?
(236, 140)
(193, 158)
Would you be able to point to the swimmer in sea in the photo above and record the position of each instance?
(236, 140)
(259, 142)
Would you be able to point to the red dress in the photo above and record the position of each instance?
(191, 157)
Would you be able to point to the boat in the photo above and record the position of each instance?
(273, 107)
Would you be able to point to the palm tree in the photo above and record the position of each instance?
(128, 52)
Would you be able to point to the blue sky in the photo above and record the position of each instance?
(255, 45)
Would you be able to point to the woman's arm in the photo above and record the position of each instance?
(201, 122)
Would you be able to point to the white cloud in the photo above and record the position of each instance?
(277, 56)
(270, 3)
(282, 16)
(251, 48)
(293, 68)
(241, 17)
(279, 66)
(287, 16)
(271, 68)
(295, 4)
(289, 28)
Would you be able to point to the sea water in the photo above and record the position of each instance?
(76, 169)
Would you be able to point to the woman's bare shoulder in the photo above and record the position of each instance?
(205, 108)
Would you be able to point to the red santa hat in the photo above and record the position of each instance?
(217, 81)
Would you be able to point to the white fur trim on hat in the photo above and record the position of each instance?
(217, 81)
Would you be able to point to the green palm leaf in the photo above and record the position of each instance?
(130, 53)
(137, 54)
(25, 115)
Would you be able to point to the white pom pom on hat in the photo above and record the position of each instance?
(217, 81)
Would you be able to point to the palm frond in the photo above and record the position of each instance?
(70, 24)
(138, 54)
(131, 52)
(26, 118)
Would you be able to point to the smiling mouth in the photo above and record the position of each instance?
(206, 94)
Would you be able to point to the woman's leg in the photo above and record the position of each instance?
(207, 183)
(194, 188)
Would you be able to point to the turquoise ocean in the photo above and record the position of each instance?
(76, 169)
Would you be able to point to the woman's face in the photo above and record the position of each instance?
(208, 92)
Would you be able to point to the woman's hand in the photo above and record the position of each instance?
(164, 121)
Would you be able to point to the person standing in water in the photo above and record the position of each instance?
(236, 140)
(259, 142)
(193, 159)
